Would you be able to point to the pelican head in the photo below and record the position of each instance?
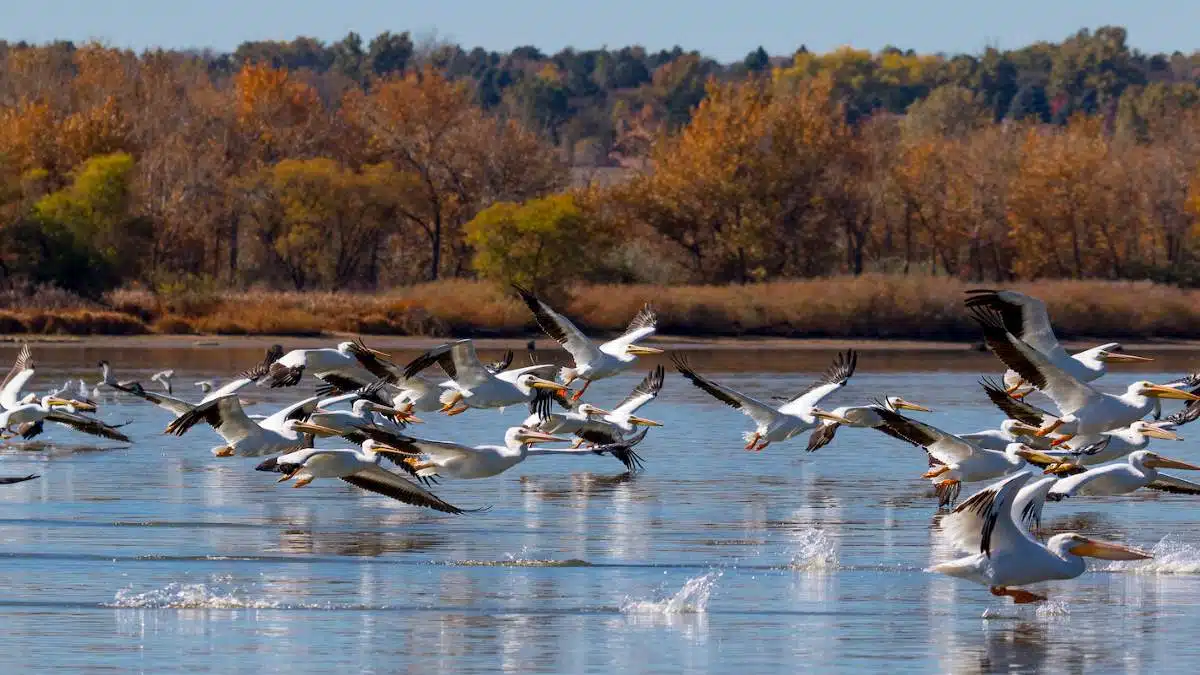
(54, 401)
(1017, 428)
(1079, 545)
(370, 446)
(531, 381)
(1145, 388)
(1154, 431)
(640, 350)
(589, 410)
(1153, 460)
(1035, 457)
(524, 436)
(1113, 352)
(897, 403)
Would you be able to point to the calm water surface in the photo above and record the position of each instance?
(159, 558)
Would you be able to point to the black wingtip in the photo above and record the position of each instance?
(269, 464)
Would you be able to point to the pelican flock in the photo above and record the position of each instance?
(1060, 438)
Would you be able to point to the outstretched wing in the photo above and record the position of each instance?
(1165, 483)
(384, 482)
(988, 515)
(165, 401)
(10, 390)
(458, 359)
(835, 377)
(822, 435)
(87, 425)
(1023, 316)
(1068, 393)
(642, 394)
(224, 414)
(942, 446)
(760, 412)
(560, 328)
(1016, 409)
(644, 324)
(502, 364)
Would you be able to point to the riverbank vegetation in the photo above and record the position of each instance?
(870, 305)
(398, 186)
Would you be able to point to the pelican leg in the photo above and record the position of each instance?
(579, 393)
(936, 471)
(301, 482)
(1019, 596)
(224, 452)
(288, 476)
(1060, 440)
(1049, 428)
(753, 441)
(457, 411)
(1012, 391)
(762, 446)
(454, 399)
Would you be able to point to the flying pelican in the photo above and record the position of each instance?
(164, 378)
(1009, 555)
(408, 393)
(568, 422)
(1024, 422)
(959, 460)
(442, 458)
(29, 414)
(1091, 411)
(1140, 470)
(474, 386)
(1027, 319)
(281, 432)
(592, 362)
(358, 467)
(863, 416)
(607, 427)
(346, 360)
(793, 417)
(178, 406)
(1113, 445)
(361, 415)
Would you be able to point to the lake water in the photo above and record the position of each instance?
(159, 558)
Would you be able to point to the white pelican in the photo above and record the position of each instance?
(281, 432)
(178, 406)
(164, 378)
(1091, 411)
(862, 416)
(360, 416)
(1140, 470)
(358, 467)
(568, 422)
(1027, 319)
(959, 460)
(1114, 444)
(793, 417)
(408, 393)
(442, 458)
(29, 414)
(614, 426)
(343, 360)
(1024, 422)
(1009, 555)
(474, 386)
(592, 362)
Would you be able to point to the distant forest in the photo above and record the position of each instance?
(372, 163)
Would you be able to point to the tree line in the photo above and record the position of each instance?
(365, 165)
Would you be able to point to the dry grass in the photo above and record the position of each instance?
(871, 306)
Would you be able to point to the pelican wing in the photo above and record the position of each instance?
(459, 361)
(22, 370)
(1015, 408)
(87, 425)
(502, 364)
(1023, 316)
(1165, 483)
(642, 394)
(644, 324)
(560, 329)
(513, 375)
(1190, 413)
(1068, 393)
(384, 482)
(224, 414)
(988, 516)
(177, 406)
(9, 480)
(942, 446)
(834, 378)
(822, 435)
(300, 410)
(760, 412)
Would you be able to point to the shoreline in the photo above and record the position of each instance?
(674, 342)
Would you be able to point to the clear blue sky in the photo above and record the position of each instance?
(725, 29)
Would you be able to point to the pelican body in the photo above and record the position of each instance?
(473, 385)
(1138, 471)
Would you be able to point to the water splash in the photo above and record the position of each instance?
(1053, 609)
(188, 596)
(1171, 556)
(815, 551)
(1049, 610)
(691, 599)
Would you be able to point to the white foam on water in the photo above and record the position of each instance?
(1049, 610)
(188, 596)
(815, 551)
(1053, 609)
(691, 599)
(1170, 557)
